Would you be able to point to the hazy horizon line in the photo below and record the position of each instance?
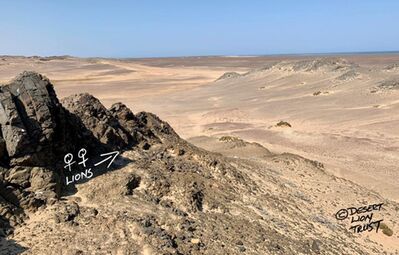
(217, 55)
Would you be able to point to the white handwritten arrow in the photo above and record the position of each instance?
(112, 156)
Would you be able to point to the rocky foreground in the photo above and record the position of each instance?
(162, 195)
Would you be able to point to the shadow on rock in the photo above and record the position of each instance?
(10, 247)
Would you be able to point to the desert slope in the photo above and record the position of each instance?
(258, 198)
(342, 114)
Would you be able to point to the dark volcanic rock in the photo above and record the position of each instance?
(146, 128)
(34, 135)
(29, 110)
(37, 131)
(3, 151)
(98, 120)
(35, 127)
(125, 117)
(150, 126)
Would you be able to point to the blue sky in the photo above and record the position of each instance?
(186, 28)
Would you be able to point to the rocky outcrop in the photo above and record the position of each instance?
(117, 128)
(349, 75)
(347, 70)
(98, 120)
(314, 65)
(392, 84)
(125, 117)
(386, 86)
(320, 63)
(30, 120)
(33, 136)
(229, 75)
(392, 67)
(37, 131)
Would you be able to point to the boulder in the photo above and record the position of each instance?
(29, 114)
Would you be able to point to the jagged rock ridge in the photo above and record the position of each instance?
(37, 131)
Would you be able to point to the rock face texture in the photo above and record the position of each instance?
(33, 134)
(98, 120)
(29, 119)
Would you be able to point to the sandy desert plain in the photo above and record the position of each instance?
(341, 111)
